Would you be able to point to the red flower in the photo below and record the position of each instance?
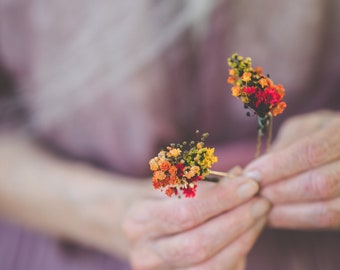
(189, 192)
(271, 96)
(180, 168)
(250, 90)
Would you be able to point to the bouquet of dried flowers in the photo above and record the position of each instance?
(178, 168)
(258, 93)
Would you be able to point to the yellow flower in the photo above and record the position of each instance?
(195, 169)
(174, 152)
(232, 72)
(189, 174)
(153, 164)
(246, 76)
(236, 91)
(244, 98)
(209, 158)
(263, 82)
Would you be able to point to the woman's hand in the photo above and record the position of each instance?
(214, 230)
(301, 175)
(74, 201)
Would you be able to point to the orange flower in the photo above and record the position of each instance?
(159, 175)
(173, 170)
(270, 82)
(156, 184)
(170, 191)
(231, 80)
(280, 89)
(165, 165)
(173, 180)
(246, 76)
(258, 70)
(279, 108)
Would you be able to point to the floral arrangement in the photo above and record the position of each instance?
(258, 93)
(179, 168)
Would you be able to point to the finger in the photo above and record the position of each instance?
(318, 215)
(300, 126)
(241, 264)
(203, 242)
(153, 218)
(236, 171)
(234, 256)
(318, 184)
(307, 153)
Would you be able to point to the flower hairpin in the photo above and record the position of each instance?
(258, 93)
(178, 169)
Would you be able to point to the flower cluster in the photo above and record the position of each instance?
(253, 88)
(180, 167)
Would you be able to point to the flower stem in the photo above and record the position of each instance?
(258, 145)
(270, 132)
(220, 173)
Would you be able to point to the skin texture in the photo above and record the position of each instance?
(207, 232)
(301, 175)
(72, 200)
(297, 187)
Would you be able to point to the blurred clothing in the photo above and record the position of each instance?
(111, 82)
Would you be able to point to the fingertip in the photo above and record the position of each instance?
(253, 174)
(247, 189)
(260, 208)
(236, 171)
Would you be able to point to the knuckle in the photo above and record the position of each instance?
(186, 216)
(137, 262)
(190, 250)
(324, 184)
(291, 122)
(329, 219)
(313, 152)
(128, 228)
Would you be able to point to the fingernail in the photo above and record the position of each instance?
(260, 208)
(260, 223)
(247, 190)
(255, 175)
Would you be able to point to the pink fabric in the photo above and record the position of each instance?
(66, 58)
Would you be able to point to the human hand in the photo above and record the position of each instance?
(214, 230)
(301, 175)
